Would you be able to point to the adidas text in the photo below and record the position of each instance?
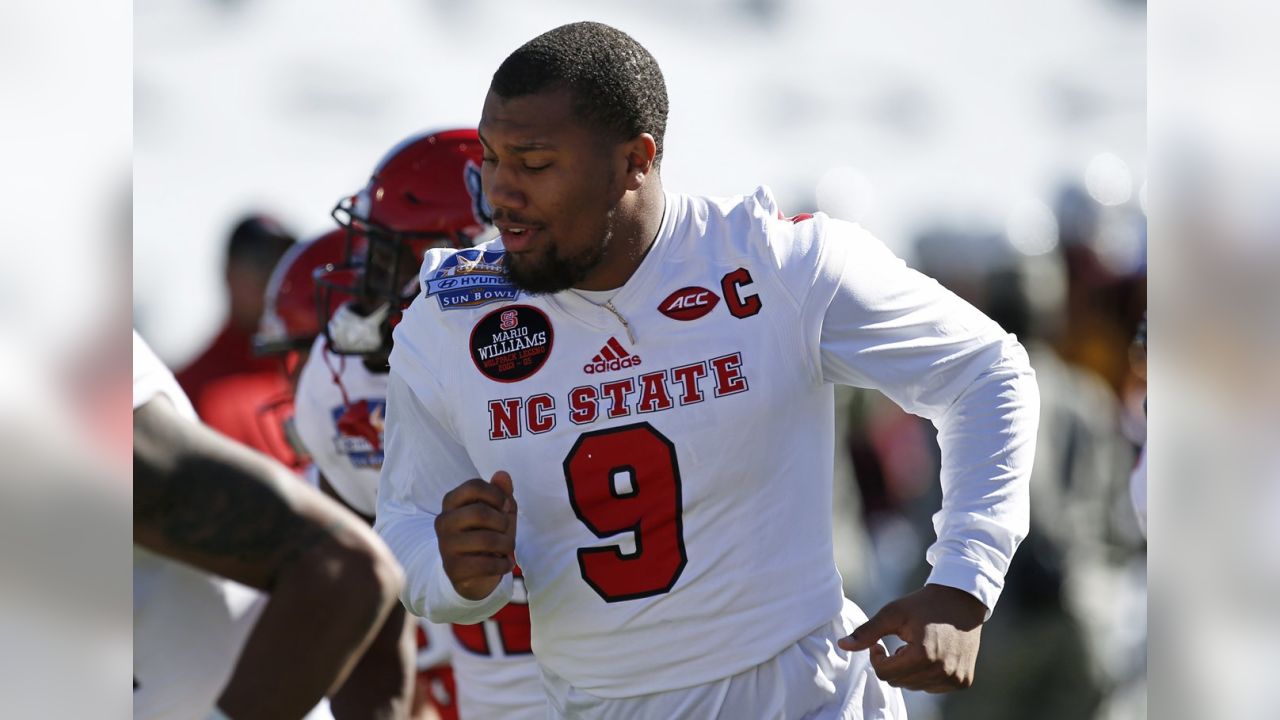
(611, 365)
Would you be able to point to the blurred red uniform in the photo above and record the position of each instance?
(233, 390)
(252, 409)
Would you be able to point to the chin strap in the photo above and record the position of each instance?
(356, 420)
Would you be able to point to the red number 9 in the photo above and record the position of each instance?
(626, 479)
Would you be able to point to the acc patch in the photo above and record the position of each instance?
(688, 303)
(511, 343)
(471, 278)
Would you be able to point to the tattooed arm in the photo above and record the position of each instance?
(204, 500)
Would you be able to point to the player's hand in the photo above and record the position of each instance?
(476, 529)
(942, 627)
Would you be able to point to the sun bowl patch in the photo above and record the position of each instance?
(511, 343)
(471, 278)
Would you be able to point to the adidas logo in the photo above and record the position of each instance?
(611, 357)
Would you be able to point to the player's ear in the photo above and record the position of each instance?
(641, 151)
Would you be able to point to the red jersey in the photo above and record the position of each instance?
(244, 397)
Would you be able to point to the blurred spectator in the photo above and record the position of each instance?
(256, 244)
(1104, 251)
(1068, 638)
(894, 456)
(1138, 480)
(851, 540)
(1064, 637)
(235, 392)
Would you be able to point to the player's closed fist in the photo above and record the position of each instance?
(942, 627)
(476, 529)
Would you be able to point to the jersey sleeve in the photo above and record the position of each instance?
(423, 460)
(878, 324)
(151, 378)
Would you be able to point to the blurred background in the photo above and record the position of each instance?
(908, 118)
(999, 147)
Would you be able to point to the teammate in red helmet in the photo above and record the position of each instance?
(291, 321)
(424, 194)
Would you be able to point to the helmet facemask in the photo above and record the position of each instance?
(381, 276)
(424, 193)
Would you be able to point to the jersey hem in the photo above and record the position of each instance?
(725, 661)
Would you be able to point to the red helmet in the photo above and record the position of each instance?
(427, 188)
(291, 318)
(424, 193)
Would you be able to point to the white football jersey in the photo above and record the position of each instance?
(188, 625)
(492, 661)
(494, 667)
(672, 451)
(349, 457)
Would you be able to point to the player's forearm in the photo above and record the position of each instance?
(380, 687)
(323, 613)
(987, 439)
(421, 464)
(428, 592)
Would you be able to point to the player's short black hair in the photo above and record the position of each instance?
(615, 82)
(258, 240)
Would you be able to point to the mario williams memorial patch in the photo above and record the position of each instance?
(471, 278)
(511, 343)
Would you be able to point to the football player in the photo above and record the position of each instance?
(425, 193)
(631, 393)
(253, 594)
(291, 322)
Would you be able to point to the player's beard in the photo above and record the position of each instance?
(547, 272)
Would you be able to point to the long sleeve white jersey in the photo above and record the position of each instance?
(672, 452)
(492, 661)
